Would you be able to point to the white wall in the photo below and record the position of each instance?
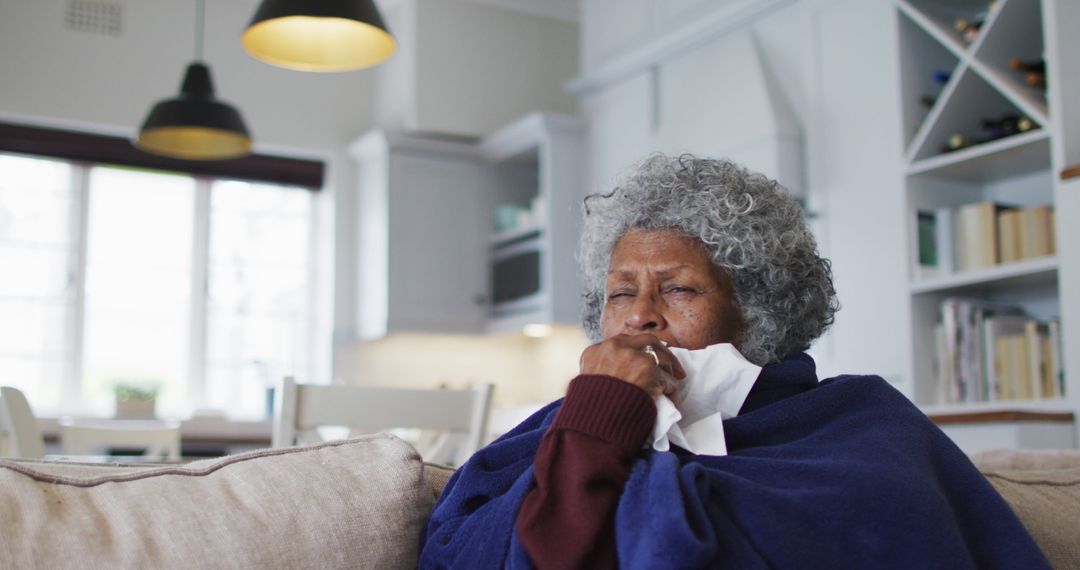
(470, 67)
(680, 75)
(695, 76)
(856, 167)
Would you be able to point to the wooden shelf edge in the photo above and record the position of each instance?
(998, 416)
(1071, 172)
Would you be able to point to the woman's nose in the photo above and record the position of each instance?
(645, 314)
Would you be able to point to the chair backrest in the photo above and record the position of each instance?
(19, 432)
(159, 438)
(301, 408)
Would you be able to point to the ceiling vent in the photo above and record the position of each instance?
(103, 18)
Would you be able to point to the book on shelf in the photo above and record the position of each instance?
(1037, 339)
(1057, 373)
(986, 351)
(944, 371)
(996, 334)
(980, 235)
(963, 346)
(1036, 231)
(976, 234)
(1009, 236)
(1016, 380)
(934, 242)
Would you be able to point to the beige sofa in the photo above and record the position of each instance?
(359, 503)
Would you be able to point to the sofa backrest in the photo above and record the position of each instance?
(359, 503)
(353, 503)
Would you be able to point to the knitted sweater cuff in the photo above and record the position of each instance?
(609, 409)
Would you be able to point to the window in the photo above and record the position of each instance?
(37, 248)
(201, 286)
(259, 305)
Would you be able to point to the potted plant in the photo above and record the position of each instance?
(135, 399)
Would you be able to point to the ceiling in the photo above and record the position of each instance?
(568, 10)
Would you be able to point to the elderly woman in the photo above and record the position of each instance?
(685, 257)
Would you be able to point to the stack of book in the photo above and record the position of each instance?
(983, 234)
(987, 352)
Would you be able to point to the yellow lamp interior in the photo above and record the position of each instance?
(307, 43)
(194, 143)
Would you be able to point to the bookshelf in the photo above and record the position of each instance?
(983, 123)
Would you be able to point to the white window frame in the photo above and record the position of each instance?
(79, 211)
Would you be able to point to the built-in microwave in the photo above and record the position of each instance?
(515, 272)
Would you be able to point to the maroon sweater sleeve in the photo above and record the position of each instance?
(568, 518)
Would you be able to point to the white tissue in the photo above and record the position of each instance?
(718, 380)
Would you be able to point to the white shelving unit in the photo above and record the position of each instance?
(535, 164)
(1019, 169)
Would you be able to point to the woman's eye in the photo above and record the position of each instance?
(618, 294)
(679, 289)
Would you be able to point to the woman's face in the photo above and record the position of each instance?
(663, 283)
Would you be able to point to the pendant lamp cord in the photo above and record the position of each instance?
(200, 21)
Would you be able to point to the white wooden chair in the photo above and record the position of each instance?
(158, 438)
(299, 409)
(19, 432)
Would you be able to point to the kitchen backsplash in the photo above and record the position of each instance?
(524, 370)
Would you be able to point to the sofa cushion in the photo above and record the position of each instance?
(1047, 501)
(437, 477)
(353, 503)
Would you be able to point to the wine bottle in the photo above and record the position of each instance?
(958, 141)
(1034, 65)
(1006, 125)
(1003, 127)
(969, 28)
(962, 25)
(1035, 79)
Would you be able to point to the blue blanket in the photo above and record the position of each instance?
(841, 473)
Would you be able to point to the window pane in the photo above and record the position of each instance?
(258, 308)
(36, 246)
(138, 283)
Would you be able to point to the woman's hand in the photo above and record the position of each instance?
(624, 357)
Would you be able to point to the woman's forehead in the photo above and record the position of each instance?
(658, 252)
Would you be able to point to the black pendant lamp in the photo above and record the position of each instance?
(194, 125)
(319, 35)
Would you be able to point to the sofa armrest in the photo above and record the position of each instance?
(1043, 489)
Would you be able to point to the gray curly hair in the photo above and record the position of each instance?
(752, 228)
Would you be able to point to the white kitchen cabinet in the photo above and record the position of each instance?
(422, 230)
